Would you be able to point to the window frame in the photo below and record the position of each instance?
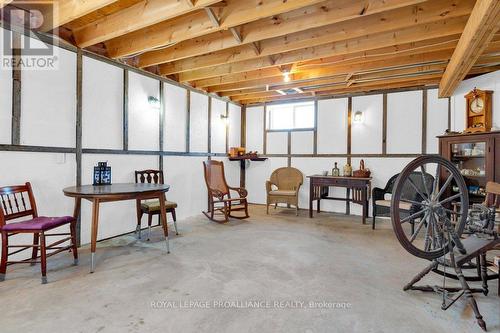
(294, 128)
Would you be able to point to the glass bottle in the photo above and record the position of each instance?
(335, 171)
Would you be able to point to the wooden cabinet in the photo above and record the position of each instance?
(477, 156)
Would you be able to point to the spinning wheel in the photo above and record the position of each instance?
(427, 227)
(418, 186)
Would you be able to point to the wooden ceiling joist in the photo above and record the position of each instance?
(482, 25)
(138, 16)
(236, 13)
(411, 34)
(4, 3)
(392, 20)
(310, 17)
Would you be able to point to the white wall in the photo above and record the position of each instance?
(48, 104)
(198, 130)
(174, 133)
(490, 81)
(5, 103)
(102, 103)
(404, 136)
(143, 119)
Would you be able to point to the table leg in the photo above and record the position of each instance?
(347, 201)
(163, 218)
(138, 210)
(311, 198)
(93, 240)
(318, 203)
(365, 204)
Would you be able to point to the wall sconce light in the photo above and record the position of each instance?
(358, 117)
(154, 102)
(224, 118)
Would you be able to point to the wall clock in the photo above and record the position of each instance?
(478, 111)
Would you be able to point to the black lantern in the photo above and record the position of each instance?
(102, 174)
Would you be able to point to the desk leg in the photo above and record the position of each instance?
(93, 240)
(364, 197)
(318, 203)
(311, 197)
(138, 210)
(347, 201)
(163, 218)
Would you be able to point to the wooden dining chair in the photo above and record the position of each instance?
(219, 195)
(18, 202)
(152, 207)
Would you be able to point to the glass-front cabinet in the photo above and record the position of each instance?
(474, 156)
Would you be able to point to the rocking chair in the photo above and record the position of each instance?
(219, 196)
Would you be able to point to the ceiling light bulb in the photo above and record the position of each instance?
(286, 76)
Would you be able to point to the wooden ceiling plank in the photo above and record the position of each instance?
(167, 32)
(482, 25)
(4, 3)
(392, 20)
(411, 34)
(138, 16)
(310, 17)
(69, 10)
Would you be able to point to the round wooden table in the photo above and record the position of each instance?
(117, 192)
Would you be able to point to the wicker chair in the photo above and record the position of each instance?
(219, 194)
(382, 206)
(287, 182)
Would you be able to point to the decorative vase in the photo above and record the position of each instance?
(335, 171)
(347, 170)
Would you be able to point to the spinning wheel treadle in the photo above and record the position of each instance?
(438, 228)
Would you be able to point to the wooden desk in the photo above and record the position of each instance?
(319, 185)
(117, 192)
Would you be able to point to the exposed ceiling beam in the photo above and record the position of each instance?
(482, 25)
(4, 3)
(213, 18)
(138, 16)
(273, 77)
(69, 10)
(407, 35)
(236, 34)
(310, 17)
(393, 20)
(185, 27)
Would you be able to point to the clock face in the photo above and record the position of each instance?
(477, 105)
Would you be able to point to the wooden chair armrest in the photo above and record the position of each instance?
(216, 194)
(241, 191)
(268, 186)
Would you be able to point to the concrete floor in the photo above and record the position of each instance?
(276, 261)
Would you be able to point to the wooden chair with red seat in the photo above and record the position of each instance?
(219, 195)
(17, 202)
(152, 207)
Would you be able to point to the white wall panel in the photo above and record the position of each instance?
(184, 174)
(255, 129)
(174, 133)
(232, 171)
(115, 218)
(218, 130)
(490, 81)
(143, 119)
(5, 103)
(48, 104)
(48, 176)
(256, 175)
(437, 119)
(404, 122)
(102, 105)
(302, 142)
(332, 126)
(234, 125)
(199, 123)
(277, 143)
(367, 136)
(315, 166)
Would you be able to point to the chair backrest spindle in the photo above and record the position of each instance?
(10, 208)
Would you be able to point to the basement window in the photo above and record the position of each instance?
(290, 116)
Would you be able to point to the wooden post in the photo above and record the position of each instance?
(16, 90)
(78, 130)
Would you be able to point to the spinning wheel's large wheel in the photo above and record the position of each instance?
(422, 214)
